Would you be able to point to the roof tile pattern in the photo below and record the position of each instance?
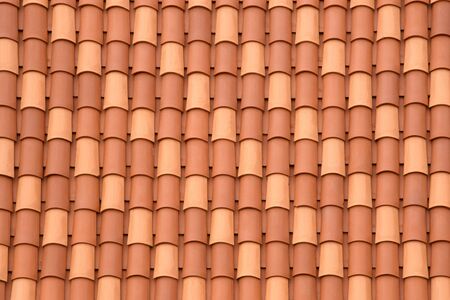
(224, 149)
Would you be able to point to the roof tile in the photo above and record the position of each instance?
(9, 59)
(172, 59)
(249, 260)
(280, 3)
(360, 264)
(277, 263)
(250, 158)
(7, 152)
(307, 25)
(359, 190)
(254, 21)
(304, 63)
(439, 95)
(58, 164)
(29, 193)
(140, 218)
(224, 124)
(63, 23)
(221, 226)
(277, 191)
(141, 191)
(439, 259)
(250, 225)
(23, 288)
(415, 155)
(33, 91)
(198, 92)
(277, 288)
(279, 91)
(226, 25)
(331, 259)
(250, 192)
(35, 20)
(9, 21)
(113, 187)
(387, 224)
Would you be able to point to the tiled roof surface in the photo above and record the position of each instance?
(210, 150)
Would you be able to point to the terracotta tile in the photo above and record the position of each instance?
(52, 287)
(415, 155)
(8, 123)
(359, 287)
(200, 22)
(9, 20)
(277, 227)
(438, 95)
(416, 54)
(306, 61)
(360, 259)
(198, 92)
(438, 287)
(331, 259)
(81, 287)
(251, 124)
(439, 21)
(304, 287)
(35, 21)
(55, 230)
(307, 96)
(115, 53)
(333, 90)
(276, 288)
(33, 90)
(140, 218)
(35, 53)
(25, 258)
(249, 260)
(437, 57)
(23, 288)
(9, 59)
(250, 225)
(387, 88)
(54, 263)
(116, 91)
(333, 57)
(226, 25)
(388, 22)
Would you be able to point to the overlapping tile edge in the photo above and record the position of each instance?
(220, 150)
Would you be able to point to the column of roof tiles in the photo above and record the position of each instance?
(9, 70)
(195, 204)
(223, 141)
(169, 149)
(415, 168)
(279, 110)
(306, 150)
(331, 269)
(32, 135)
(140, 219)
(360, 156)
(115, 110)
(439, 198)
(387, 236)
(59, 138)
(87, 166)
(250, 153)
